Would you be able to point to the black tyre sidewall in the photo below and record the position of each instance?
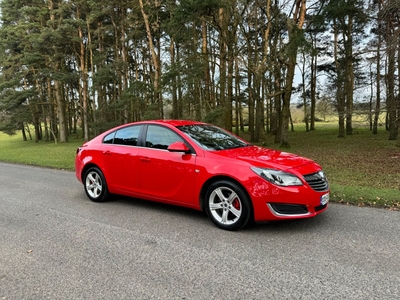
(104, 192)
(245, 201)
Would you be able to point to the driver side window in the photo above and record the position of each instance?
(160, 138)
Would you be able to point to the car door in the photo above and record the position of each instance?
(165, 175)
(120, 153)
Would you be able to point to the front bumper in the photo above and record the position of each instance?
(294, 210)
(273, 203)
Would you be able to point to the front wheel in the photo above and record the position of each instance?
(95, 185)
(227, 205)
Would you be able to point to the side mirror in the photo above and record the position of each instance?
(178, 147)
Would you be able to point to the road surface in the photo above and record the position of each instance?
(56, 244)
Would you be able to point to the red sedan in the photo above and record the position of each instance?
(203, 167)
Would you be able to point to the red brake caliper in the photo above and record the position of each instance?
(236, 204)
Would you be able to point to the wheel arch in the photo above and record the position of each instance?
(87, 167)
(213, 179)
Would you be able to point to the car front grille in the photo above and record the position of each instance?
(289, 209)
(317, 181)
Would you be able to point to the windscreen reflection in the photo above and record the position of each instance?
(212, 137)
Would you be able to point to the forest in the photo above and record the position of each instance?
(69, 66)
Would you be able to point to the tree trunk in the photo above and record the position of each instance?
(250, 104)
(339, 94)
(61, 112)
(349, 86)
(391, 98)
(314, 64)
(83, 84)
(154, 56)
(60, 101)
(197, 100)
(304, 94)
(238, 102)
(207, 79)
(293, 27)
(222, 66)
(175, 111)
(23, 132)
(378, 81)
(124, 72)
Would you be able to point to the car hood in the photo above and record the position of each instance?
(266, 158)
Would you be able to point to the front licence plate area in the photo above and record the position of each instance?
(324, 199)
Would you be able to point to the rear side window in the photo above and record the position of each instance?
(109, 138)
(127, 136)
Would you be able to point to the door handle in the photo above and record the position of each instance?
(145, 159)
(107, 152)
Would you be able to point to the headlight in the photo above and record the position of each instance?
(278, 177)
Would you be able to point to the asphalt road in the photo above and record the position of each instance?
(56, 244)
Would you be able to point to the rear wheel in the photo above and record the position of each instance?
(227, 205)
(95, 185)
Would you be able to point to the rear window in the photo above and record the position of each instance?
(127, 136)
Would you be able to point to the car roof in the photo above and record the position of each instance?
(173, 122)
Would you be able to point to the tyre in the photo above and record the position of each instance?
(95, 185)
(228, 205)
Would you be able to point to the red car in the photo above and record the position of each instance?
(203, 167)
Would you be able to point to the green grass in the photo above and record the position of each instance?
(363, 169)
(45, 154)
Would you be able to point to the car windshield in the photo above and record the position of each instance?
(212, 138)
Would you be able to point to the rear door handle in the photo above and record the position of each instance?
(107, 152)
(145, 159)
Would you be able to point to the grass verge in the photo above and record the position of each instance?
(44, 154)
(363, 169)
